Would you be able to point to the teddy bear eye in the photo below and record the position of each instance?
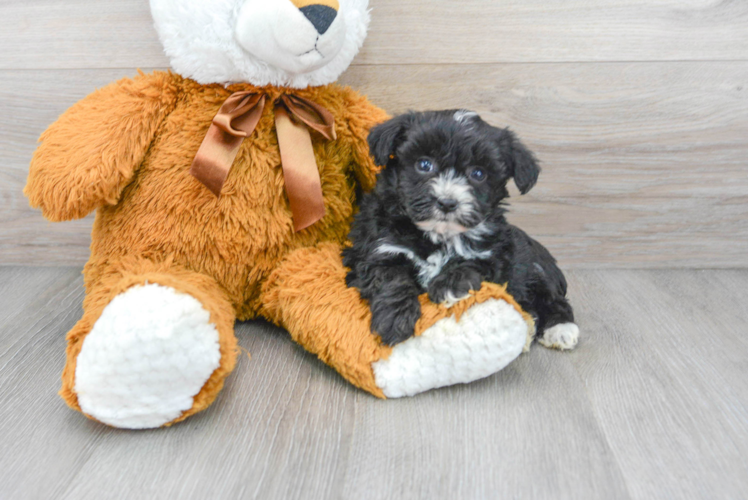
(425, 166)
(478, 175)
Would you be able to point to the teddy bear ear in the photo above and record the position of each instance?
(384, 139)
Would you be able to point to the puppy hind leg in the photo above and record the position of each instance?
(556, 327)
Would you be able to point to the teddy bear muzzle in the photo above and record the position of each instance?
(306, 35)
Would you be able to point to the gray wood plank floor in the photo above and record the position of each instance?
(119, 33)
(652, 404)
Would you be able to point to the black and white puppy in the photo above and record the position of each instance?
(435, 222)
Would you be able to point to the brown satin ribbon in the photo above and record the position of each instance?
(238, 117)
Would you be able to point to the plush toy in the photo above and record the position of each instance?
(224, 191)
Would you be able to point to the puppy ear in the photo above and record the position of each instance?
(384, 139)
(521, 161)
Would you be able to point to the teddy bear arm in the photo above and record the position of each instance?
(88, 156)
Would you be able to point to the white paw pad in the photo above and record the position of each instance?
(563, 336)
(487, 338)
(145, 359)
(451, 299)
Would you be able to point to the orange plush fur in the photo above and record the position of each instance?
(126, 150)
(150, 206)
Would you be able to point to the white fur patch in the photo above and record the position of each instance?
(451, 299)
(145, 359)
(433, 266)
(387, 248)
(429, 268)
(463, 115)
(487, 338)
(454, 242)
(439, 230)
(261, 42)
(564, 336)
(449, 185)
(447, 228)
(477, 232)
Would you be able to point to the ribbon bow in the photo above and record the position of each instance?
(238, 118)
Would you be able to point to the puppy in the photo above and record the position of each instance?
(435, 223)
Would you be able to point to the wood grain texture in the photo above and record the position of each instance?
(652, 404)
(528, 432)
(644, 164)
(40, 34)
(672, 397)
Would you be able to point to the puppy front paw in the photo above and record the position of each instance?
(394, 316)
(450, 288)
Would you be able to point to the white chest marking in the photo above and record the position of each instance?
(429, 268)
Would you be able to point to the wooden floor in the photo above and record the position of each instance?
(639, 113)
(652, 404)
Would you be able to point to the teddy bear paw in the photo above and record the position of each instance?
(487, 337)
(146, 358)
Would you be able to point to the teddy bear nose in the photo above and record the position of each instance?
(446, 205)
(321, 16)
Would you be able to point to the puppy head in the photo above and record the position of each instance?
(450, 168)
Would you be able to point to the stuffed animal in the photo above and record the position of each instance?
(224, 191)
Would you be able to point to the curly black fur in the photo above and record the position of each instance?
(433, 223)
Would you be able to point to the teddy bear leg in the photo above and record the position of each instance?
(473, 339)
(466, 343)
(153, 347)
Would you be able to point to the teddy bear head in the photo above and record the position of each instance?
(290, 43)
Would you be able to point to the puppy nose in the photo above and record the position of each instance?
(446, 205)
(321, 13)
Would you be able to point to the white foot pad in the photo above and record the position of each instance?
(487, 338)
(147, 356)
(564, 336)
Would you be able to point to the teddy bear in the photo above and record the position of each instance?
(224, 190)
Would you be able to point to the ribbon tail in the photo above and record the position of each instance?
(235, 120)
(300, 172)
(214, 159)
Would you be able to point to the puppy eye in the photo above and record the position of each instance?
(478, 175)
(425, 166)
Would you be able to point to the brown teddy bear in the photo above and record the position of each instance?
(224, 192)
